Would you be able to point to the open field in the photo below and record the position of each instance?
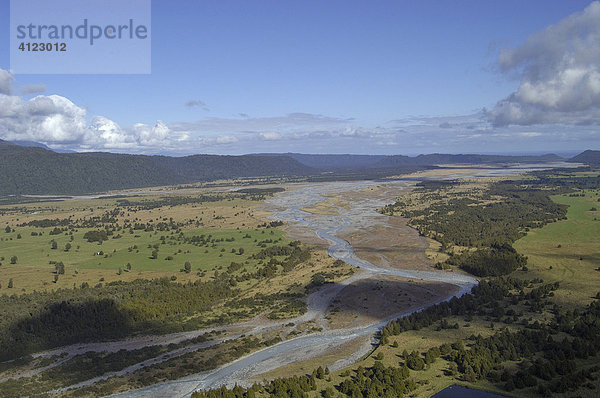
(568, 251)
(36, 258)
(208, 230)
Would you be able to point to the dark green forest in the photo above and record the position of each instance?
(28, 170)
(34, 170)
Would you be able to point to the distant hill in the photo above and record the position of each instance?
(333, 162)
(30, 170)
(40, 145)
(38, 170)
(338, 162)
(588, 157)
(214, 167)
(33, 170)
(440, 158)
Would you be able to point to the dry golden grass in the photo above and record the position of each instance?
(34, 278)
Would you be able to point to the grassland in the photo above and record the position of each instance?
(36, 259)
(568, 251)
(565, 251)
(230, 223)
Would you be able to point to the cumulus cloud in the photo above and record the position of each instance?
(56, 121)
(6, 80)
(43, 118)
(107, 134)
(559, 72)
(151, 135)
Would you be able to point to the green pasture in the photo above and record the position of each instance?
(116, 253)
(568, 251)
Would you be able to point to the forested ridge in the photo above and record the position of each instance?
(348, 161)
(29, 170)
(589, 157)
(35, 170)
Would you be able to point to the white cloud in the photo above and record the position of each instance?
(151, 135)
(108, 134)
(43, 118)
(226, 139)
(270, 136)
(530, 134)
(6, 80)
(559, 72)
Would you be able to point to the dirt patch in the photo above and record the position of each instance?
(304, 234)
(391, 244)
(372, 299)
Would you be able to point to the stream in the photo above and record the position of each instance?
(287, 206)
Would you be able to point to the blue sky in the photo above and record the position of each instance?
(387, 77)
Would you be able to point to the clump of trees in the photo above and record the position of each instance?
(96, 236)
(499, 259)
(375, 381)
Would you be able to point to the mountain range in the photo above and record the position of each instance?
(36, 169)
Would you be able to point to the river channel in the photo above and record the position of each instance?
(288, 206)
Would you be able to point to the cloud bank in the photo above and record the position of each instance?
(559, 72)
(6, 81)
